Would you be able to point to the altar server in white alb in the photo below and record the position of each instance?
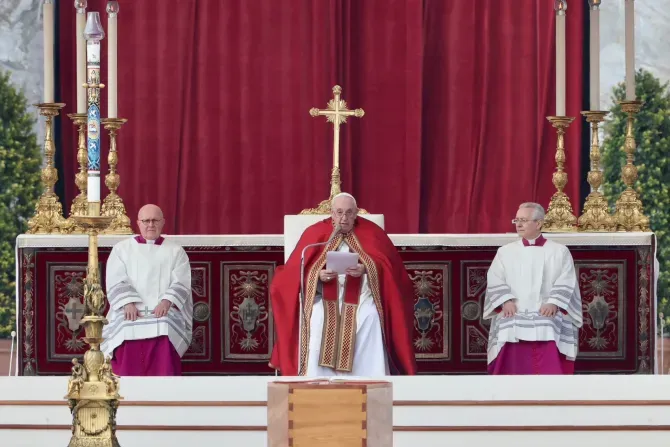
(534, 302)
(150, 304)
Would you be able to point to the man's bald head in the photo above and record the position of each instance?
(149, 209)
(150, 220)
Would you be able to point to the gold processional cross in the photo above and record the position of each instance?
(336, 112)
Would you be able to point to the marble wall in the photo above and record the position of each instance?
(21, 50)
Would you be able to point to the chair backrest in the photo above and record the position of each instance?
(296, 224)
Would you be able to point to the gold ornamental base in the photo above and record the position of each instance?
(596, 216)
(335, 188)
(628, 212)
(560, 217)
(325, 207)
(79, 205)
(93, 393)
(48, 216)
(93, 389)
(112, 205)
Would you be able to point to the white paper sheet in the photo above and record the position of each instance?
(340, 261)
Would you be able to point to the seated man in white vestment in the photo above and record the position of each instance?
(150, 304)
(533, 298)
(356, 323)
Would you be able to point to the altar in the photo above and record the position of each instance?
(233, 326)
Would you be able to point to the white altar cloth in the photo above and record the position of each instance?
(400, 240)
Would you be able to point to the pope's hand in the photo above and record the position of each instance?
(162, 309)
(130, 311)
(548, 310)
(326, 275)
(508, 309)
(356, 271)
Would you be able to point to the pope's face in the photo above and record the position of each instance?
(150, 220)
(344, 212)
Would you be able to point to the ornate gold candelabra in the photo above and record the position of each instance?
(112, 205)
(48, 216)
(93, 389)
(560, 217)
(79, 205)
(629, 213)
(596, 216)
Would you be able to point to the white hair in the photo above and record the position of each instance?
(343, 194)
(538, 210)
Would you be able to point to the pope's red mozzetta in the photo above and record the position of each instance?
(388, 281)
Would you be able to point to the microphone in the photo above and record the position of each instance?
(11, 353)
(338, 229)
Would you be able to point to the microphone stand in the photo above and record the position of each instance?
(11, 354)
(302, 283)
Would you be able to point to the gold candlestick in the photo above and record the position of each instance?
(596, 215)
(79, 205)
(559, 217)
(48, 216)
(629, 213)
(93, 389)
(113, 205)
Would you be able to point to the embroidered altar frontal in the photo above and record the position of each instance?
(233, 326)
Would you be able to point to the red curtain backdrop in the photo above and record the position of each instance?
(217, 95)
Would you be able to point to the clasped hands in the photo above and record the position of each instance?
(326, 275)
(546, 310)
(131, 312)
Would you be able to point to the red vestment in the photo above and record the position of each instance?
(389, 283)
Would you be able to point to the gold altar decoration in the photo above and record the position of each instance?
(79, 205)
(93, 389)
(48, 216)
(628, 212)
(112, 205)
(336, 112)
(596, 216)
(560, 217)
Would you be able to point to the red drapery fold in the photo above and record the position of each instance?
(217, 94)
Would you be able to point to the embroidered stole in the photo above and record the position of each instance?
(339, 331)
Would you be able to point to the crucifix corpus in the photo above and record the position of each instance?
(336, 112)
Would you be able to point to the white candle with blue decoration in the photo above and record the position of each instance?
(94, 34)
